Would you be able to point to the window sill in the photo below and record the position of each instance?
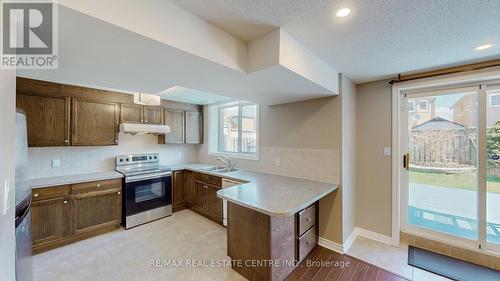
(235, 155)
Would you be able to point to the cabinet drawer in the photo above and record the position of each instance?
(95, 186)
(49, 192)
(307, 218)
(208, 179)
(306, 243)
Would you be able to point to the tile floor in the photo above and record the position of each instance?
(127, 254)
(392, 259)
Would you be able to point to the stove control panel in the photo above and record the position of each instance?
(137, 159)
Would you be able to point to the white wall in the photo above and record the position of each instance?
(7, 172)
(349, 184)
(75, 160)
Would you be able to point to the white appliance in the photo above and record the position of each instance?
(226, 183)
(24, 267)
(134, 128)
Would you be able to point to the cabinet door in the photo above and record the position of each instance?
(50, 222)
(198, 199)
(214, 204)
(176, 120)
(47, 119)
(189, 188)
(94, 122)
(194, 128)
(153, 115)
(178, 196)
(94, 211)
(131, 113)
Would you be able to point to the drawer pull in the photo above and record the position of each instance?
(119, 192)
(65, 202)
(35, 195)
(98, 185)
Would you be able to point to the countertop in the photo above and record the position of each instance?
(270, 194)
(73, 179)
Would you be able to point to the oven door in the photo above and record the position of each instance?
(147, 193)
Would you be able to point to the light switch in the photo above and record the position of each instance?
(5, 193)
(56, 162)
(387, 151)
(278, 162)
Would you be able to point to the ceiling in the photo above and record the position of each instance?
(378, 40)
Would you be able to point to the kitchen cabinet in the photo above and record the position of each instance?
(47, 118)
(194, 127)
(130, 113)
(50, 216)
(94, 122)
(189, 187)
(178, 191)
(175, 119)
(204, 198)
(96, 206)
(153, 115)
(64, 214)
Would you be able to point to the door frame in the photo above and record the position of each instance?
(488, 75)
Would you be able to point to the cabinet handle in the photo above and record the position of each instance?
(35, 195)
(65, 202)
(145, 121)
(98, 185)
(119, 192)
(116, 141)
(66, 141)
(142, 120)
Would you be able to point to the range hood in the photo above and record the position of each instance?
(134, 128)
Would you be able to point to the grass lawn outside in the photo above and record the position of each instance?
(462, 181)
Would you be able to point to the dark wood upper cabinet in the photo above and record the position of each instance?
(94, 122)
(47, 119)
(194, 127)
(153, 115)
(175, 119)
(130, 113)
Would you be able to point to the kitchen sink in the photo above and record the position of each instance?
(212, 168)
(225, 170)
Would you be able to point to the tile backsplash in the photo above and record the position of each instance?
(313, 164)
(76, 160)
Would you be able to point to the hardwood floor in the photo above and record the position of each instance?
(323, 264)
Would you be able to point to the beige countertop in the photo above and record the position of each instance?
(272, 195)
(73, 179)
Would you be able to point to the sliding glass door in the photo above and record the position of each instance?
(451, 168)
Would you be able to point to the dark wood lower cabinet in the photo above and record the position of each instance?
(50, 227)
(64, 214)
(179, 191)
(203, 198)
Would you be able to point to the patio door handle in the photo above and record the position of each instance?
(406, 161)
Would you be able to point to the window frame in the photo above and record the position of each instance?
(490, 96)
(214, 130)
(426, 106)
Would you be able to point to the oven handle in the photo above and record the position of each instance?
(146, 177)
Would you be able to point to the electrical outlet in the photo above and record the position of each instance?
(277, 162)
(56, 162)
(179, 155)
(387, 151)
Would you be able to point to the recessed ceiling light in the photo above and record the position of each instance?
(484, 47)
(344, 12)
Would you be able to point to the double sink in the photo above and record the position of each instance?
(219, 169)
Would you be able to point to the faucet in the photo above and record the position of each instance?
(227, 161)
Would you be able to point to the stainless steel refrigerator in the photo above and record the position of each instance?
(24, 268)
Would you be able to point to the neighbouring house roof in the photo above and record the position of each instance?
(438, 124)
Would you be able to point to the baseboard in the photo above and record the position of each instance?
(330, 245)
(373, 235)
(350, 239)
